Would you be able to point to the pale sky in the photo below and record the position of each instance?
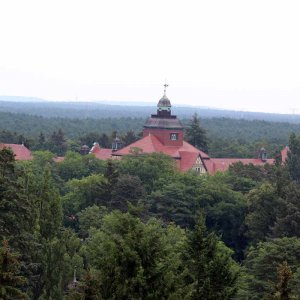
(226, 54)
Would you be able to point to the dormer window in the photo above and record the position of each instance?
(174, 136)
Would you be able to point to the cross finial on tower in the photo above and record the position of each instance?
(165, 89)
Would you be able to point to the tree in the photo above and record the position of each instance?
(86, 289)
(104, 141)
(195, 134)
(111, 175)
(10, 279)
(48, 253)
(263, 206)
(176, 199)
(148, 167)
(41, 142)
(284, 275)
(16, 211)
(287, 221)
(78, 166)
(225, 211)
(136, 260)
(293, 160)
(127, 189)
(85, 192)
(245, 177)
(91, 217)
(57, 143)
(213, 271)
(261, 269)
(129, 138)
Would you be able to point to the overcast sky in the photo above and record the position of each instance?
(227, 54)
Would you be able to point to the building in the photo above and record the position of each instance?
(21, 152)
(163, 133)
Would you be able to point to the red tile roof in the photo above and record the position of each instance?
(20, 151)
(187, 160)
(101, 153)
(222, 164)
(185, 155)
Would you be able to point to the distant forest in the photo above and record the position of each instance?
(95, 110)
(228, 134)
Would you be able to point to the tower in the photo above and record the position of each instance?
(166, 127)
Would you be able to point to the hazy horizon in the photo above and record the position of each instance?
(231, 55)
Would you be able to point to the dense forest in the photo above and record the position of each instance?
(226, 137)
(136, 228)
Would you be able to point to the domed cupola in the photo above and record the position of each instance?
(164, 126)
(164, 105)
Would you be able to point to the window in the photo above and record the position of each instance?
(174, 136)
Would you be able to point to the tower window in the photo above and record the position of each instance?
(174, 136)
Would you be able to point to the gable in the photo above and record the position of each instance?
(199, 167)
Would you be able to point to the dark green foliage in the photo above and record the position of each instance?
(111, 175)
(212, 270)
(127, 189)
(225, 211)
(261, 266)
(293, 160)
(78, 166)
(8, 137)
(91, 217)
(288, 216)
(227, 137)
(84, 192)
(15, 206)
(127, 255)
(148, 167)
(57, 143)
(87, 289)
(196, 135)
(176, 199)
(129, 138)
(41, 142)
(263, 206)
(10, 279)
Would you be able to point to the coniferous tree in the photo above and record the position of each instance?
(261, 266)
(213, 272)
(129, 137)
(111, 174)
(293, 160)
(104, 141)
(10, 278)
(41, 142)
(57, 142)
(46, 282)
(196, 135)
(15, 208)
(288, 214)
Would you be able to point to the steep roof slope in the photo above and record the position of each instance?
(21, 152)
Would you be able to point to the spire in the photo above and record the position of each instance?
(164, 104)
(165, 88)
